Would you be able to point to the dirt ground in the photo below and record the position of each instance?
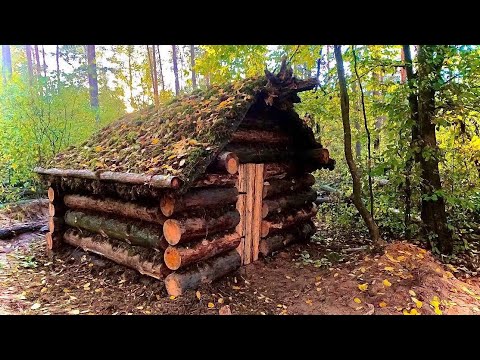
(333, 274)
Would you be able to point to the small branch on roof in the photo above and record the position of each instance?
(157, 181)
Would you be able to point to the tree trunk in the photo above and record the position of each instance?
(261, 136)
(131, 231)
(284, 221)
(192, 66)
(274, 187)
(12, 231)
(130, 50)
(205, 272)
(28, 51)
(198, 198)
(178, 231)
(403, 70)
(225, 162)
(153, 69)
(175, 69)
(92, 80)
(57, 57)
(288, 202)
(37, 60)
(145, 261)
(347, 134)
(160, 67)
(115, 207)
(300, 233)
(176, 257)
(433, 212)
(6, 63)
(44, 62)
(414, 141)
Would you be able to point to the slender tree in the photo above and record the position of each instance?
(160, 67)
(6, 63)
(37, 60)
(175, 69)
(192, 66)
(92, 80)
(347, 133)
(28, 51)
(44, 62)
(57, 57)
(155, 77)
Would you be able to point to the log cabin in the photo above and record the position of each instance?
(192, 191)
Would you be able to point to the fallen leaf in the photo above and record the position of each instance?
(198, 295)
(417, 302)
(438, 311)
(309, 302)
(362, 269)
(172, 297)
(335, 275)
(411, 312)
(236, 287)
(44, 289)
(387, 283)
(35, 306)
(412, 293)
(383, 304)
(451, 267)
(371, 309)
(74, 312)
(98, 148)
(401, 258)
(155, 141)
(220, 300)
(435, 302)
(388, 268)
(363, 287)
(359, 308)
(357, 300)
(211, 305)
(448, 275)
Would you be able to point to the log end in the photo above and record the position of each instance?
(176, 183)
(172, 258)
(51, 210)
(265, 228)
(51, 194)
(264, 210)
(172, 231)
(49, 241)
(173, 285)
(232, 166)
(167, 205)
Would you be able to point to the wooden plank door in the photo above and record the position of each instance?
(249, 205)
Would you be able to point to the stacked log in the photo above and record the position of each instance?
(56, 211)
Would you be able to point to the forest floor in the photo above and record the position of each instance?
(333, 274)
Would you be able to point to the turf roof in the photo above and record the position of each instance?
(180, 139)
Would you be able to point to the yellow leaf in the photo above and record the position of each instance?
(44, 289)
(211, 305)
(413, 312)
(383, 304)
(98, 148)
(192, 142)
(198, 295)
(309, 302)
(155, 141)
(420, 256)
(438, 270)
(468, 291)
(86, 286)
(363, 287)
(362, 269)
(438, 311)
(391, 258)
(417, 302)
(220, 300)
(411, 292)
(401, 258)
(389, 268)
(448, 275)
(451, 267)
(387, 283)
(357, 300)
(74, 312)
(172, 297)
(435, 302)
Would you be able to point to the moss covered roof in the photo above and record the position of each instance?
(181, 138)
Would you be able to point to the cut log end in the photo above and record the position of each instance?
(265, 210)
(51, 194)
(172, 258)
(265, 228)
(49, 241)
(176, 183)
(167, 205)
(232, 165)
(51, 210)
(173, 286)
(172, 231)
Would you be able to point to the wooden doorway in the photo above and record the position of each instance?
(249, 205)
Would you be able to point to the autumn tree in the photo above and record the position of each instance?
(175, 69)
(92, 80)
(347, 133)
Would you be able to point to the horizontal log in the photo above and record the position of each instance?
(131, 231)
(260, 137)
(319, 155)
(260, 154)
(288, 202)
(176, 257)
(115, 207)
(210, 180)
(178, 231)
(14, 230)
(259, 122)
(157, 181)
(284, 221)
(274, 187)
(299, 233)
(198, 198)
(205, 272)
(146, 262)
(225, 161)
(271, 170)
